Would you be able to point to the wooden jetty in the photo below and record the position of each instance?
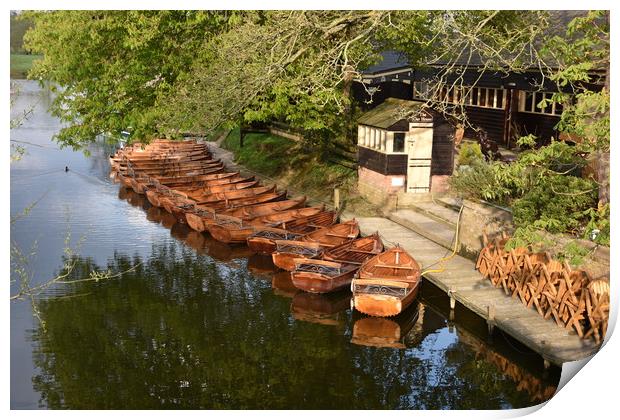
(464, 284)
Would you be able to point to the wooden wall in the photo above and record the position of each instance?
(382, 163)
(442, 162)
(489, 119)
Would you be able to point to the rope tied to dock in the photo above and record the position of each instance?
(454, 249)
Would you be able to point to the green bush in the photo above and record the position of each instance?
(484, 181)
(470, 154)
(557, 204)
(543, 191)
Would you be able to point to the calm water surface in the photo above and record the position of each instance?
(197, 324)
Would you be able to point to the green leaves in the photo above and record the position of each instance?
(542, 187)
(112, 66)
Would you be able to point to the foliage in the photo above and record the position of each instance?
(598, 227)
(581, 63)
(111, 66)
(482, 181)
(296, 67)
(556, 204)
(541, 189)
(470, 154)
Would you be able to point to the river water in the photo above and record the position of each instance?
(191, 323)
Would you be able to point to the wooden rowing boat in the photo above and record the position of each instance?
(159, 159)
(180, 212)
(386, 332)
(158, 167)
(190, 172)
(313, 244)
(182, 188)
(386, 283)
(321, 309)
(200, 219)
(224, 199)
(212, 198)
(234, 230)
(139, 186)
(337, 267)
(155, 194)
(263, 241)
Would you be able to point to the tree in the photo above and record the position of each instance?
(111, 66)
(295, 66)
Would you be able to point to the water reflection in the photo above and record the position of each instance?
(326, 309)
(197, 326)
(391, 332)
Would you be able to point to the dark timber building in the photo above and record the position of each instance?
(502, 104)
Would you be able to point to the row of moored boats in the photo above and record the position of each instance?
(322, 254)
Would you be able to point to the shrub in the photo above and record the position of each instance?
(470, 154)
(543, 190)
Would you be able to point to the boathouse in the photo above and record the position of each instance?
(403, 148)
(504, 105)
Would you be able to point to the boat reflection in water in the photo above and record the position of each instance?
(204, 244)
(282, 284)
(388, 332)
(136, 200)
(326, 309)
(261, 264)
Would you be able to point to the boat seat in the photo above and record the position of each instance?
(397, 267)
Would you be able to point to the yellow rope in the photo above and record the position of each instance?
(454, 250)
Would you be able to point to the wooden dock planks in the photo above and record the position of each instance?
(555, 344)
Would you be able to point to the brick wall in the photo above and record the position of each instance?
(378, 188)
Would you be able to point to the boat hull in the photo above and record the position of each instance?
(320, 283)
(380, 304)
(230, 233)
(286, 260)
(195, 221)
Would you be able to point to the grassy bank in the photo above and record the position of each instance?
(21, 64)
(286, 162)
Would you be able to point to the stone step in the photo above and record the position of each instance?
(439, 232)
(450, 202)
(437, 212)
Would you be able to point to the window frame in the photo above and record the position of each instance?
(538, 96)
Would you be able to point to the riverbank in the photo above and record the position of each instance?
(281, 160)
(21, 64)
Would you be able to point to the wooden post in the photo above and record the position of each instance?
(490, 318)
(241, 131)
(337, 198)
(452, 299)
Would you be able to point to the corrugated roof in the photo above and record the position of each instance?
(389, 113)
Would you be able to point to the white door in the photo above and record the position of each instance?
(419, 150)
